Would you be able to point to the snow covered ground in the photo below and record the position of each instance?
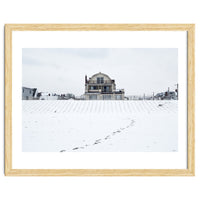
(99, 126)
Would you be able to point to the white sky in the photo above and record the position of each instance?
(137, 71)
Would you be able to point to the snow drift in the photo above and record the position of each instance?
(99, 126)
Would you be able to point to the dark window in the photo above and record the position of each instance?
(93, 97)
(100, 80)
(118, 97)
(93, 88)
(106, 89)
(106, 97)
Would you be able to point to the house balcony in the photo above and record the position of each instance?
(100, 91)
(106, 91)
(100, 83)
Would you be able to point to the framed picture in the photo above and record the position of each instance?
(99, 99)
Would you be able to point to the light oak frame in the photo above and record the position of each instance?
(190, 171)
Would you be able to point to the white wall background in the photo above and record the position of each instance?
(104, 11)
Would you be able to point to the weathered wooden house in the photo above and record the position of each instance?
(101, 87)
(29, 93)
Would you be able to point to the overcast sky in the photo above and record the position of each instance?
(137, 71)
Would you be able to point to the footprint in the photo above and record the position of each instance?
(97, 142)
(75, 148)
(107, 137)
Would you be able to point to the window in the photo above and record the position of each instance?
(93, 97)
(106, 97)
(100, 80)
(93, 87)
(118, 97)
(106, 89)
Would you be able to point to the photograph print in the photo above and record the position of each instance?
(100, 100)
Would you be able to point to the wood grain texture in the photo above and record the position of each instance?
(190, 171)
(99, 172)
(99, 27)
(8, 99)
(191, 100)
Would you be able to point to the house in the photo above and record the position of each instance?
(47, 96)
(29, 93)
(66, 96)
(101, 87)
(168, 95)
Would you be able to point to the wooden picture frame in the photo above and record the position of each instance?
(190, 171)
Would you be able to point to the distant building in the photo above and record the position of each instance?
(132, 97)
(169, 95)
(47, 96)
(101, 87)
(29, 93)
(66, 96)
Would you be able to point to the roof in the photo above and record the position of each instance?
(29, 88)
(101, 74)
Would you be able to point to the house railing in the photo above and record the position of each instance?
(104, 82)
